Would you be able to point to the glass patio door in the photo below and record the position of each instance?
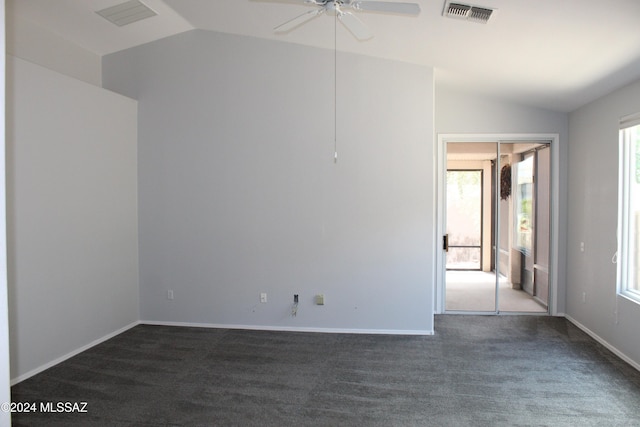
(497, 227)
(470, 282)
(464, 219)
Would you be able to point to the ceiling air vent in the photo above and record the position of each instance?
(467, 12)
(126, 13)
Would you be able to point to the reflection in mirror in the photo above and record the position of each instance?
(498, 223)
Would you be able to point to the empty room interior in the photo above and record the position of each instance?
(321, 212)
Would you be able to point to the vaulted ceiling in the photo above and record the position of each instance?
(553, 54)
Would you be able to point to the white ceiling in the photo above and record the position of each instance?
(554, 54)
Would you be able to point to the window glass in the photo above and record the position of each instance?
(464, 219)
(524, 204)
(629, 219)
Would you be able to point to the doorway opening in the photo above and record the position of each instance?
(496, 221)
(465, 195)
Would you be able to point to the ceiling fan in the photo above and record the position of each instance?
(348, 19)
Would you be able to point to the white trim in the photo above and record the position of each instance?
(290, 328)
(60, 359)
(439, 261)
(5, 370)
(500, 313)
(625, 251)
(631, 296)
(610, 347)
(629, 121)
(441, 150)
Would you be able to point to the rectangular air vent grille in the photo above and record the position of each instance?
(480, 14)
(467, 12)
(126, 13)
(457, 10)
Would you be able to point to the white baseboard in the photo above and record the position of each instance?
(216, 326)
(291, 329)
(48, 365)
(610, 347)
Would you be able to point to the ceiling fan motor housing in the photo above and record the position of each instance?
(332, 7)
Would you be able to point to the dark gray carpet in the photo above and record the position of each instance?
(476, 371)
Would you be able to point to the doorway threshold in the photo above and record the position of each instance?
(474, 292)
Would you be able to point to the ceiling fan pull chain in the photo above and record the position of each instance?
(335, 89)
(358, 28)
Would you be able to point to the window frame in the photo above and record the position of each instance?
(627, 164)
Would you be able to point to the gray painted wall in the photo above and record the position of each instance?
(239, 194)
(464, 112)
(72, 214)
(593, 213)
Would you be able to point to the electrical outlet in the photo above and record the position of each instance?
(584, 297)
(169, 294)
(295, 298)
(263, 297)
(320, 299)
(581, 246)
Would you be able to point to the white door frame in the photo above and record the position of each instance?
(5, 370)
(441, 173)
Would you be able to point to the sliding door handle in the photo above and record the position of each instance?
(445, 242)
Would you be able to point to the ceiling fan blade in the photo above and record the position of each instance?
(356, 26)
(297, 21)
(387, 6)
(313, 2)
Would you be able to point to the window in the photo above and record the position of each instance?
(524, 204)
(629, 209)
